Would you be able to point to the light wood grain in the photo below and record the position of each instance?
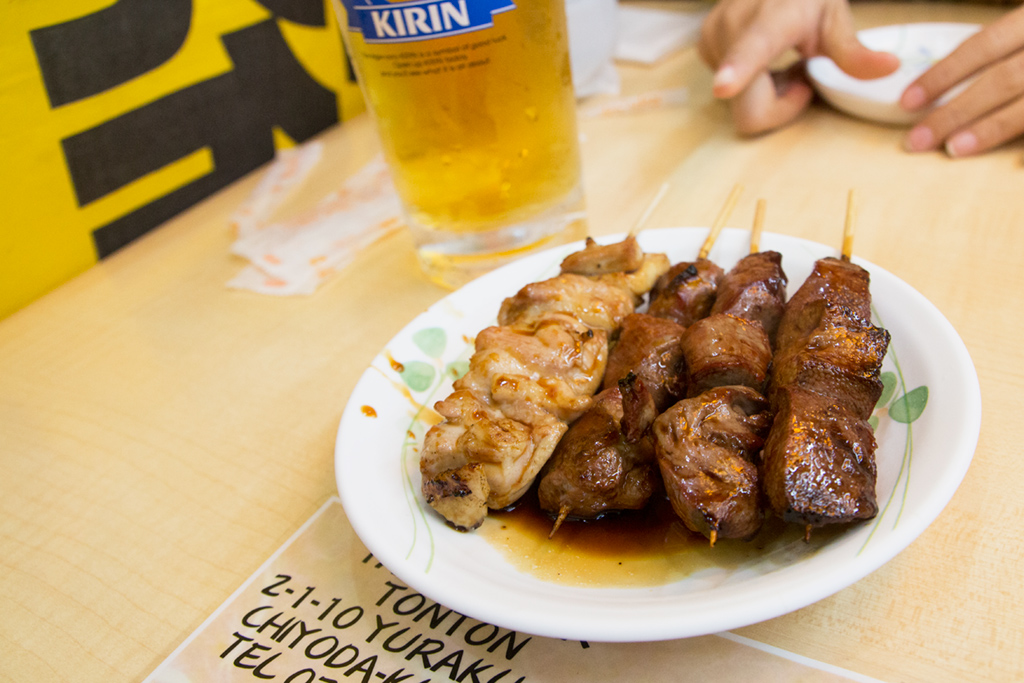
(161, 435)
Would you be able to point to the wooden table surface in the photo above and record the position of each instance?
(161, 435)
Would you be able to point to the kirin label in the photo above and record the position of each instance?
(399, 22)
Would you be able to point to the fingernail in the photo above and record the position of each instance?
(962, 144)
(913, 98)
(724, 77)
(919, 139)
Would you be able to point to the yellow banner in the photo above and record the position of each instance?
(115, 116)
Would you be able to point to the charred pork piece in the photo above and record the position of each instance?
(818, 464)
(686, 292)
(723, 350)
(843, 284)
(840, 358)
(529, 376)
(755, 289)
(605, 461)
(706, 448)
(652, 349)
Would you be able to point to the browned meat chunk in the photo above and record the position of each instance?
(686, 292)
(605, 461)
(818, 465)
(841, 283)
(652, 349)
(723, 350)
(706, 448)
(841, 358)
(755, 289)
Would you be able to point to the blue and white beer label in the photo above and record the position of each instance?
(400, 22)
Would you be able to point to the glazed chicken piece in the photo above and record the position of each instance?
(706, 448)
(597, 259)
(651, 348)
(818, 461)
(754, 289)
(724, 350)
(552, 363)
(686, 292)
(528, 377)
(605, 462)
(477, 458)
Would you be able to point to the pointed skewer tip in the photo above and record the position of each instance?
(850, 225)
(755, 232)
(563, 512)
(649, 210)
(720, 220)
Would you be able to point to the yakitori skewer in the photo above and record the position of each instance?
(708, 461)
(645, 375)
(530, 376)
(824, 385)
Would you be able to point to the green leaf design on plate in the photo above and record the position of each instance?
(456, 369)
(873, 421)
(418, 375)
(431, 341)
(888, 388)
(909, 407)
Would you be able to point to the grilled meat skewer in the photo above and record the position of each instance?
(818, 466)
(529, 376)
(596, 469)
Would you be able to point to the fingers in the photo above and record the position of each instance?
(767, 104)
(986, 114)
(990, 110)
(741, 39)
(1001, 126)
(765, 36)
(1001, 39)
(840, 43)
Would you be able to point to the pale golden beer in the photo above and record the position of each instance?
(474, 103)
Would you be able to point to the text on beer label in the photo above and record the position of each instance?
(398, 22)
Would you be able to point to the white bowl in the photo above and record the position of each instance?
(918, 46)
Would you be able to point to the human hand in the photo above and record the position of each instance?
(742, 38)
(990, 111)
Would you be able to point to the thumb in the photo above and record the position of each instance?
(840, 43)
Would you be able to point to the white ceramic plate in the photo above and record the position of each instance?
(917, 45)
(921, 461)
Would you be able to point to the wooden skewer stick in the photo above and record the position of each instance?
(723, 216)
(649, 210)
(851, 224)
(755, 232)
(563, 512)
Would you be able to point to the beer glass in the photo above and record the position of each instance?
(474, 104)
